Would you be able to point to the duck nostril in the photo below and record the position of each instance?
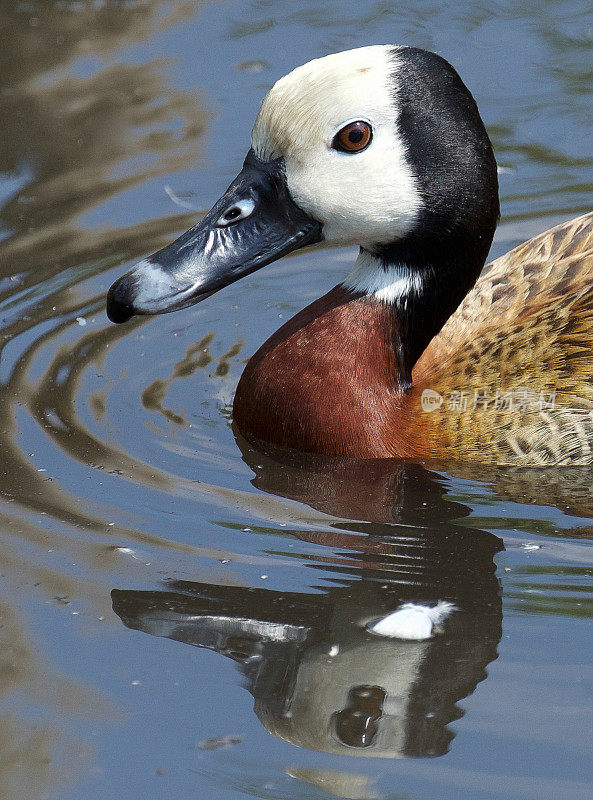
(236, 212)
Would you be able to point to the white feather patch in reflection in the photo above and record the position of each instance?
(412, 621)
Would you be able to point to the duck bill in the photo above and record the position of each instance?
(254, 223)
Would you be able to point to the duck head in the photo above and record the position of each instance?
(382, 147)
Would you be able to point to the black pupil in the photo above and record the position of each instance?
(233, 213)
(356, 135)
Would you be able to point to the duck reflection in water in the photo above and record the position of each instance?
(320, 677)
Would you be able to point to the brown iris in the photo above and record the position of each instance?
(353, 137)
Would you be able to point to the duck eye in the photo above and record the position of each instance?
(354, 137)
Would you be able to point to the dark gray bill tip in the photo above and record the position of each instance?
(119, 301)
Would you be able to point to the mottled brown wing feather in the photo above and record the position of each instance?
(525, 332)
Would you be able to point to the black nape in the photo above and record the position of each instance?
(451, 156)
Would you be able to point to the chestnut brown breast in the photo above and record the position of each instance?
(326, 381)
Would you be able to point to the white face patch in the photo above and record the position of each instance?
(371, 278)
(364, 198)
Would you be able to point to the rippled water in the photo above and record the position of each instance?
(180, 614)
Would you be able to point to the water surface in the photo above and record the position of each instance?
(180, 613)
